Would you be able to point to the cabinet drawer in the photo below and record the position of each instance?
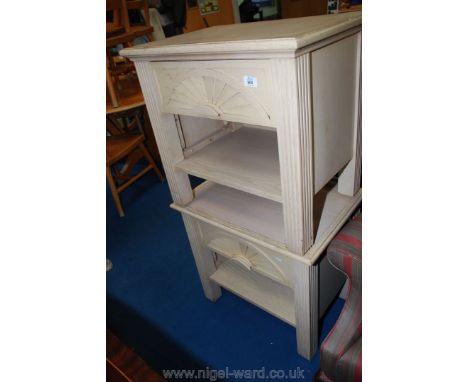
(235, 90)
(251, 256)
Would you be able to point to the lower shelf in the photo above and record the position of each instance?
(268, 295)
(244, 211)
(261, 220)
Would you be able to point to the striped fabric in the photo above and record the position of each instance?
(349, 367)
(341, 351)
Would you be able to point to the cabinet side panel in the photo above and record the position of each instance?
(196, 129)
(349, 181)
(165, 132)
(334, 93)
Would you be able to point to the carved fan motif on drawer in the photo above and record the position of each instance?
(249, 256)
(213, 94)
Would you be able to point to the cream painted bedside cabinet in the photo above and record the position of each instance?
(268, 113)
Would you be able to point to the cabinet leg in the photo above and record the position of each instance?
(203, 259)
(306, 309)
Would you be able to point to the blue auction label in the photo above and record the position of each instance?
(250, 81)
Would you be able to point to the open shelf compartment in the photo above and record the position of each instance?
(267, 294)
(253, 215)
(262, 219)
(246, 160)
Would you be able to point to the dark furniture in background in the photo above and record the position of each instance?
(302, 8)
(124, 365)
(247, 10)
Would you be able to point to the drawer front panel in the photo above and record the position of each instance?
(251, 256)
(237, 91)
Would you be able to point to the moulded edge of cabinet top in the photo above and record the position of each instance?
(286, 35)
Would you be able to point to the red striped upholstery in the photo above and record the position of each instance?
(349, 367)
(341, 351)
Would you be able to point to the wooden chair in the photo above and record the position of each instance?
(146, 28)
(132, 149)
(115, 26)
(120, 31)
(121, 81)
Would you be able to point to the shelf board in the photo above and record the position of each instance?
(261, 220)
(268, 295)
(239, 210)
(246, 160)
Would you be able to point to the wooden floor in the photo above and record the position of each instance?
(123, 365)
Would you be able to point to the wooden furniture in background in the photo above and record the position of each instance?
(301, 8)
(195, 19)
(132, 106)
(120, 28)
(120, 31)
(113, 97)
(268, 114)
(115, 26)
(346, 6)
(145, 28)
(130, 96)
(131, 147)
(124, 365)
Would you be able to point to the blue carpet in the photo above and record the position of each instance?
(156, 305)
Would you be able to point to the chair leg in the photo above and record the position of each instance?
(115, 193)
(150, 159)
(111, 88)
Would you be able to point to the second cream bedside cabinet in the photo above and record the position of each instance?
(268, 113)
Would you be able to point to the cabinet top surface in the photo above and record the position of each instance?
(263, 36)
